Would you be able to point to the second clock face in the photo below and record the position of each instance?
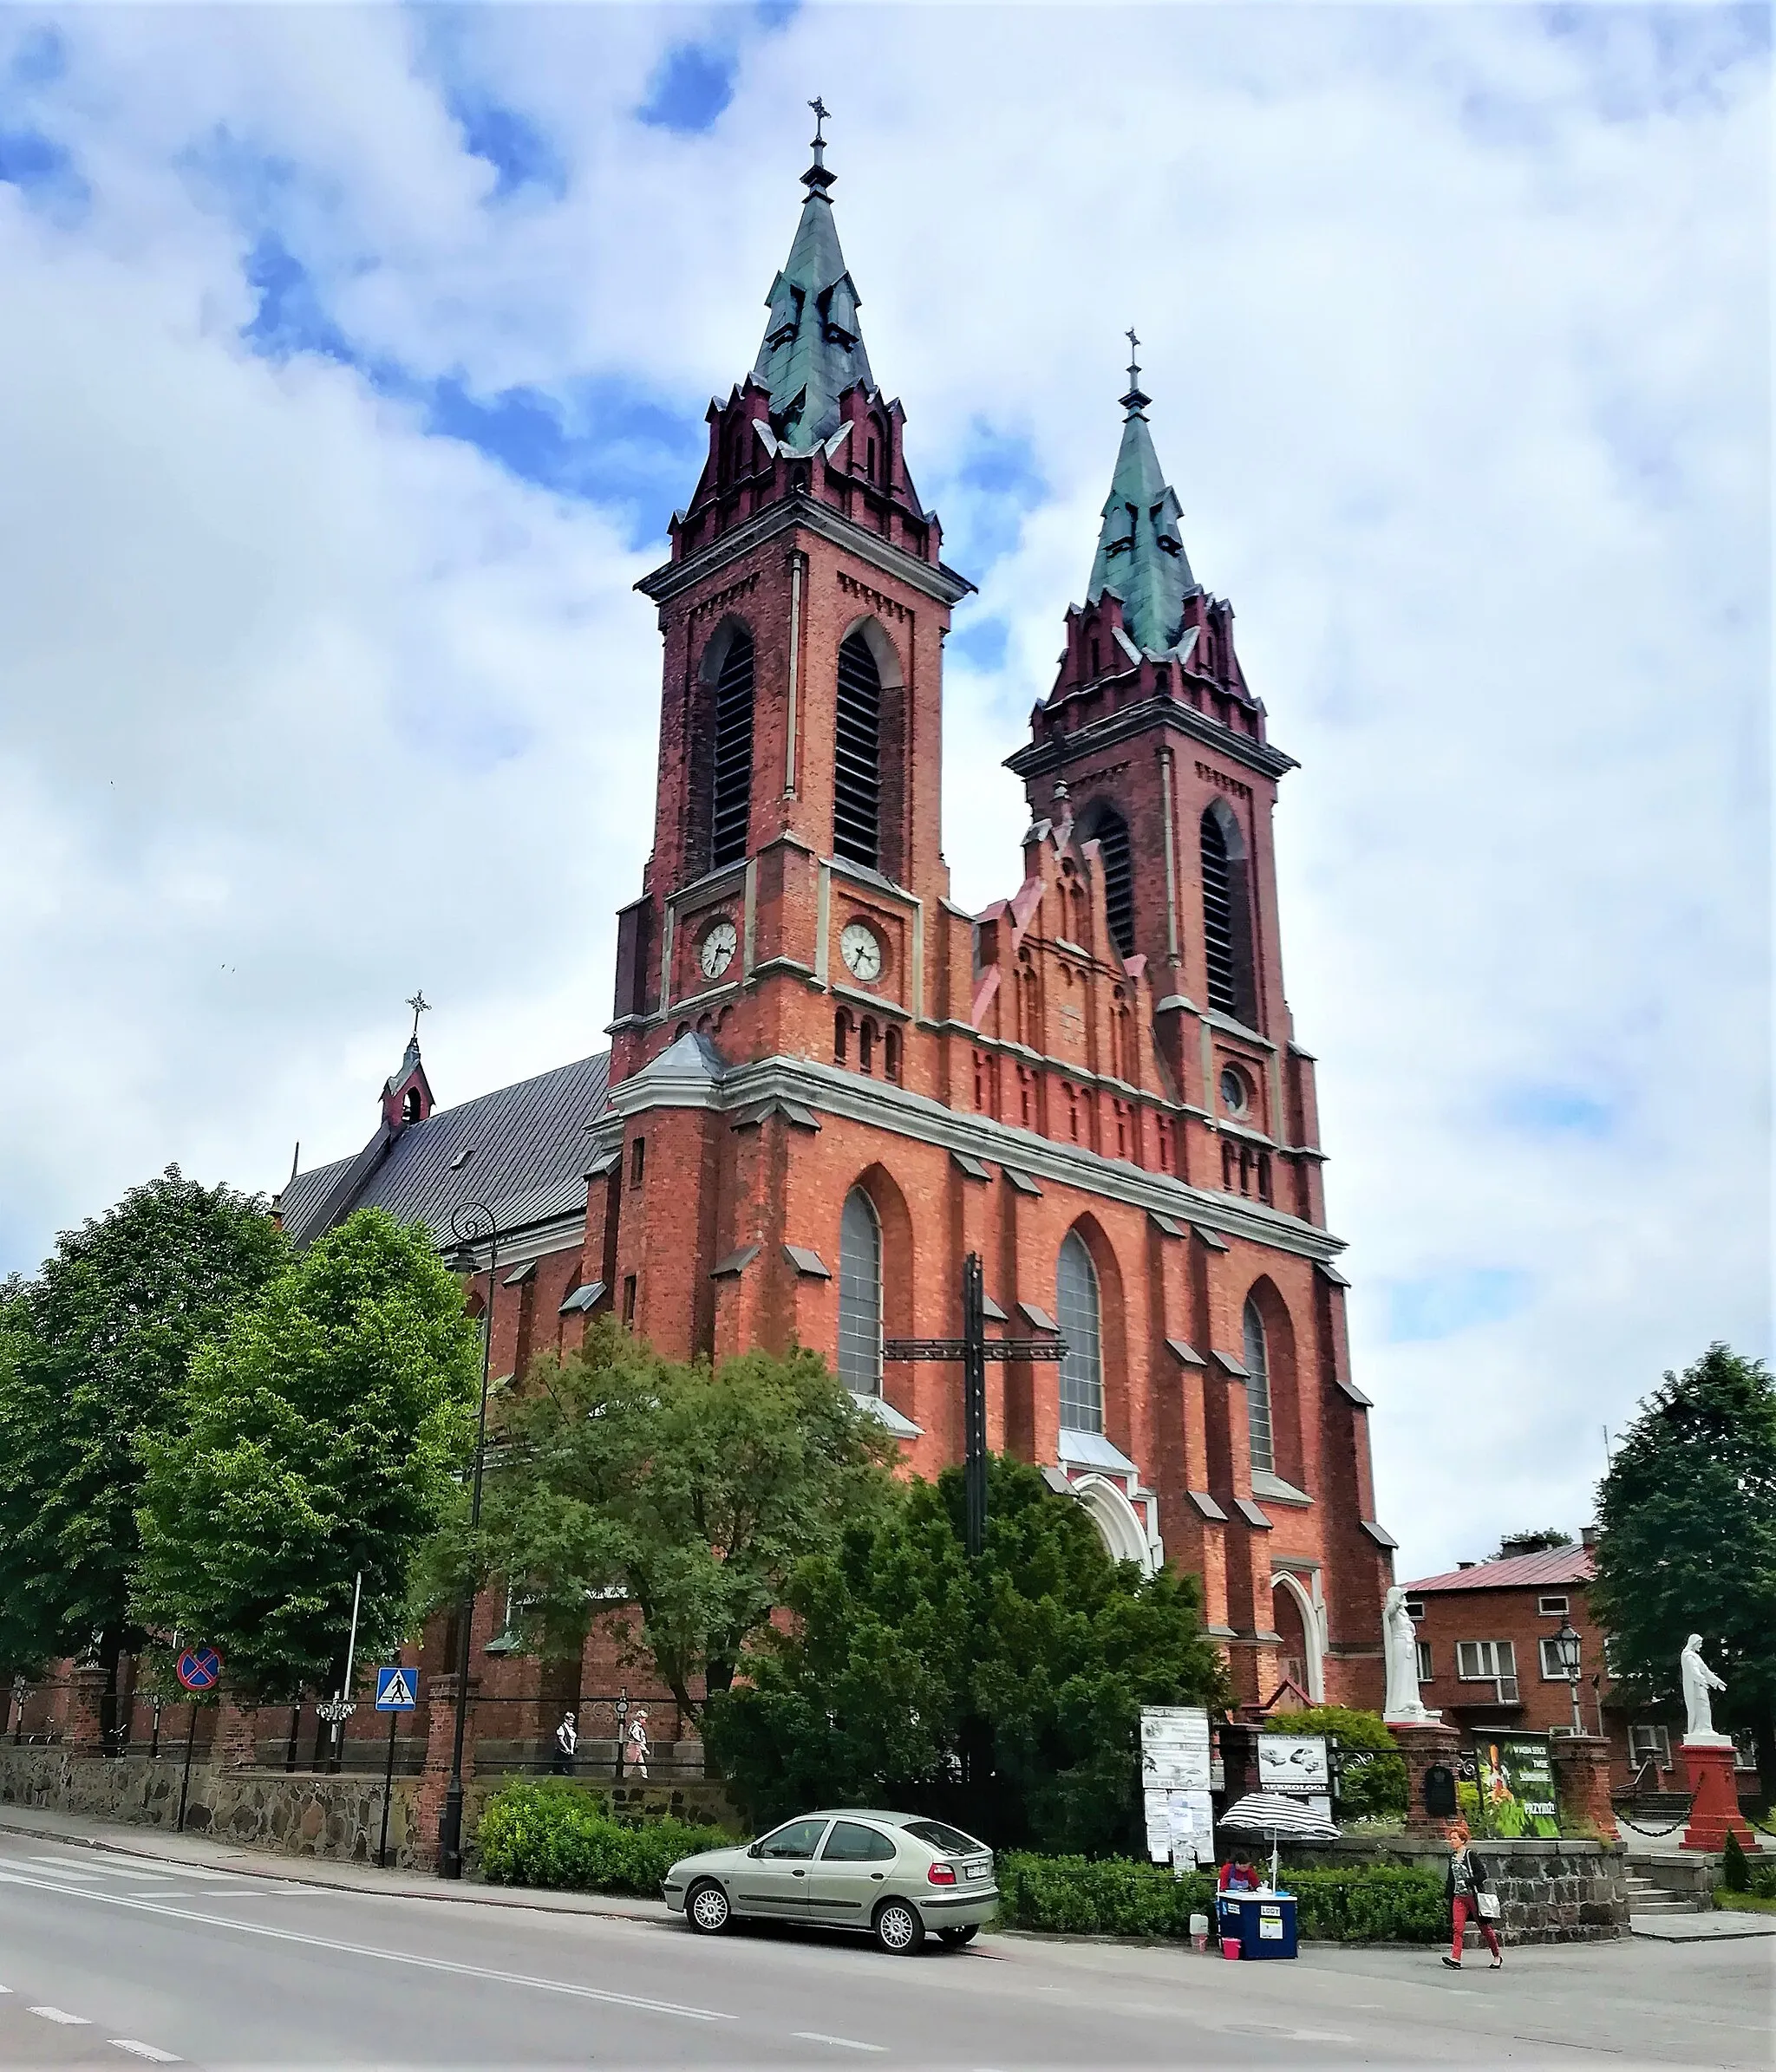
(862, 953)
(716, 951)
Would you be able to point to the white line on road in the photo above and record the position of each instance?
(393, 1957)
(814, 2036)
(147, 2051)
(59, 2014)
(137, 1866)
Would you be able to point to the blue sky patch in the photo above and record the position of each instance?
(985, 497)
(39, 61)
(522, 156)
(290, 318)
(1440, 1305)
(981, 643)
(691, 85)
(1551, 1110)
(44, 173)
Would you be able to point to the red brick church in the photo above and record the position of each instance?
(827, 1082)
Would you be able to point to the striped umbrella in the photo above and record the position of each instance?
(1270, 1812)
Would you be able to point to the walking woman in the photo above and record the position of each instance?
(1464, 1889)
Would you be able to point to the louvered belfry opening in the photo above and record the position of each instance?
(1218, 919)
(1110, 833)
(731, 806)
(857, 788)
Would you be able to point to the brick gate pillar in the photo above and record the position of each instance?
(86, 1710)
(1582, 1778)
(440, 1734)
(1425, 1745)
(234, 1743)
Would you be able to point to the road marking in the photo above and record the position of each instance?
(147, 2051)
(140, 1866)
(393, 1957)
(814, 2036)
(58, 2014)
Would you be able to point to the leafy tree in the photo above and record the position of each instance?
(1004, 1693)
(1686, 1542)
(319, 1438)
(93, 1353)
(1543, 1540)
(1375, 1782)
(687, 1494)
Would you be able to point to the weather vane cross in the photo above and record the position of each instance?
(1135, 370)
(419, 1005)
(822, 114)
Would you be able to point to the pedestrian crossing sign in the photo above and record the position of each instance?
(395, 1689)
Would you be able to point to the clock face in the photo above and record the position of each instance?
(716, 951)
(861, 951)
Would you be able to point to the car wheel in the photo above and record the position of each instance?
(706, 1908)
(898, 1928)
(957, 1938)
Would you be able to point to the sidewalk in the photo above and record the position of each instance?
(1701, 1927)
(206, 1853)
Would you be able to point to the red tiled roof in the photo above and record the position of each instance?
(1520, 1571)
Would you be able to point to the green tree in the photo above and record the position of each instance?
(1375, 1782)
(688, 1494)
(321, 1436)
(1686, 1542)
(1005, 1693)
(95, 1352)
(1543, 1540)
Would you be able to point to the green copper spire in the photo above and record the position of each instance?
(813, 350)
(1140, 547)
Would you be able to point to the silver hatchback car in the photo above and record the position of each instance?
(892, 1875)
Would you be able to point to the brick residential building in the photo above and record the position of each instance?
(1486, 1661)
(827, 1082)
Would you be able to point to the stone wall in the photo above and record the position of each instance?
(1550, 1891)
(294, 1812)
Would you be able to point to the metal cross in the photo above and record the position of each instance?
(419, 1005)
(974, 1349)
(822, 114)
(1134, 371)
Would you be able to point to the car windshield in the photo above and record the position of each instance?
(952, 1841)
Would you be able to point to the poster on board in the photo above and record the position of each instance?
(1175, 1774)
(1514, 1776)
(1295, 1764)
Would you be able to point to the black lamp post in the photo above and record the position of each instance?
(471, 1224)
(621, 1709)
(1567, 1647)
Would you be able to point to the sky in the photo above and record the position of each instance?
(352, 361)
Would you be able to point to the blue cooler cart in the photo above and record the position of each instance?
(1265, 1926)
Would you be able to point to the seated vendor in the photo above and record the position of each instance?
(1238, 1876)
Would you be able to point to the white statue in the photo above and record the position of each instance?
(1698, 1681)
(1400, 1648)
(635, 1753)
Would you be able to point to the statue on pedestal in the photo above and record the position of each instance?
(1698, 1681)
(1402, 1706)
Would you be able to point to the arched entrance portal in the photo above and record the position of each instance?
(1302, 1655)
(1121, 1527)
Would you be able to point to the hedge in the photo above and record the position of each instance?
(1070, 1895)
(561, 1836)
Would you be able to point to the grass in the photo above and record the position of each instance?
(1742, 1902)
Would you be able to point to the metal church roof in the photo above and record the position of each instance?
(1141, 545)
(522, 1149)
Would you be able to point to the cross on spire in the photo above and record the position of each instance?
(419, 1005)
(817, 180)
(1134, 371)
(822, 114)
(1136, 401)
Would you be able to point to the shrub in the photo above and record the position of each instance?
(1761, 1878)
(1373, 1785)
(1069, 1895)
(1735, 1871)
(558, 1835)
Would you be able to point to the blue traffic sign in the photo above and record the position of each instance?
(200, 1669)
(397, 1689)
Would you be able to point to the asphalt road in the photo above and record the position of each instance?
(107, 1960)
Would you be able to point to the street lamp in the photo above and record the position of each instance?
(1567, 1648)
(471, 1224)
(621, 1708)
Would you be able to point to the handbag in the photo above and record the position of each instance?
(1488, 1905)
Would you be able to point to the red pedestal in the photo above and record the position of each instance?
(1716, 1808)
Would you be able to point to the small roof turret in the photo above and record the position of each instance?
(813, 349)
(1141, 545)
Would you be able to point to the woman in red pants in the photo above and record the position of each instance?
(1467, 1881)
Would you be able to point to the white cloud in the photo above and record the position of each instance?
(1457, 323)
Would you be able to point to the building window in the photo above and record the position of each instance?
(1552, 1672)
(841, 1036)
(866, 1045)
(1107, 828)
(857, 784)
(730, 814)
(629, 1302)
(1650, 1743)
(1227, 941)
(1425, 1672)
(891, 1056)
(637, 1161)
(1485, 1661)
(1550, 1607)
(1257, 1392)
(1081, 1371)
(860, 1295)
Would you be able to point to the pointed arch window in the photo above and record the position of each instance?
(1227, 928)
(860, 1295)
(856, 787)
(1109, 831)
(730, 814)
(1078, 1308)
(1257, 1392)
